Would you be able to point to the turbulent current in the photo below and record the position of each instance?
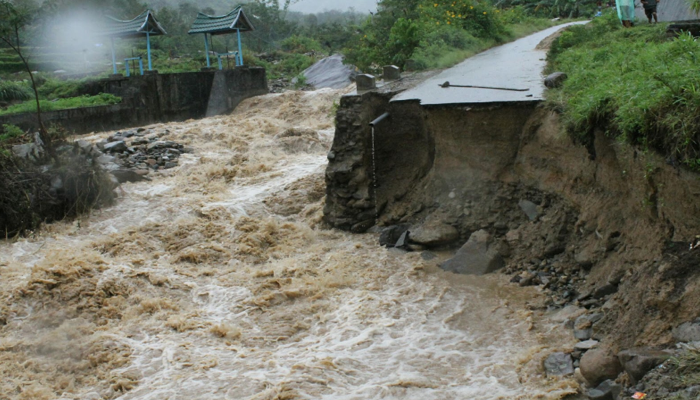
(218, 280)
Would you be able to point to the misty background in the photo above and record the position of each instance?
(65, 34)
(314, 6)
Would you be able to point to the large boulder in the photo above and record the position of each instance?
(115, 147)
(390, 235)
(598, 365)
(433, 234)
(583, 327)
(608, 390)
(638, 361)
(478, 256)
(559, 364)
(555, 80)
(687, 332)
(127, 175)
(28, 151)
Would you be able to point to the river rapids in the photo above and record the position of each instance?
(218, 280)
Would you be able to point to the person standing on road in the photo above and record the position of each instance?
(650, 9)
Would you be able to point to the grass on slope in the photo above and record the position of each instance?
(637, 84)
(62, 104)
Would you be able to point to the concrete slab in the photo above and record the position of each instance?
(516, 65)
(667, 10)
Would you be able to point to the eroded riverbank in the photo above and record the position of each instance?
(218, 280)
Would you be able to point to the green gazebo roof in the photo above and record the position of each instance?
(222, 24)
(145, 23)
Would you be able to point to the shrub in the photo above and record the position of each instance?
(58, 89)
(403, 40)
(479, 18)
(10, 132)
(300, 81)
(14, 91)
(36, 198)
(300, 44)
(294, 64)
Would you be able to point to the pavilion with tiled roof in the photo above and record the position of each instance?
(145, 24)
(234, 22)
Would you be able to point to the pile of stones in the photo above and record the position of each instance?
(140, 150)
(129, 156)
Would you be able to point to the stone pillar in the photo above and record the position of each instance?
(391, 73)
(366, 82)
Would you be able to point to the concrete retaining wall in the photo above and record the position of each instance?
(155, 98)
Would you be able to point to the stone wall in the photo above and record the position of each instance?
(350, 195)
(155, 98)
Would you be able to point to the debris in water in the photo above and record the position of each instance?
(639, 396)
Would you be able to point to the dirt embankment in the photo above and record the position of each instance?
(605, 227)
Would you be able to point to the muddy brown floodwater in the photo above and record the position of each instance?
(217, 280)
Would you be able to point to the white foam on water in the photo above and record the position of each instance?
(329, 316)
(252, 191)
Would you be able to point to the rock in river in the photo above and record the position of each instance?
(434, 233)
(598, 365)
(115, 147)
(477, 257)
(559, 364)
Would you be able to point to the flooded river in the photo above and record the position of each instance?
(217, 280)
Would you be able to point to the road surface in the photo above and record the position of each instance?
(516, 65)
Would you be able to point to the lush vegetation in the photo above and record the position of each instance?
(423, 34)
(427, 34)
(636, 84)
(9, 132)
(62, 104)
(13, 91)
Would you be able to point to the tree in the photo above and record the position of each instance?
(13, 18)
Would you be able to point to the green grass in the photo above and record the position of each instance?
(51, 88)
(14, 91)
(686, 369)
(63, 104)
(9, 132)
(635, 84)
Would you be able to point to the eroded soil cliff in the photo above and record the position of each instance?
(606, 227)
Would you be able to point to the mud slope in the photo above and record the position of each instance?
(606, 217)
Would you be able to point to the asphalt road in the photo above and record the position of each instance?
(516, 65)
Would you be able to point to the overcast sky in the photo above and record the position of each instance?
(314, 6)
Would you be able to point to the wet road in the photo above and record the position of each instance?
(516, 65)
